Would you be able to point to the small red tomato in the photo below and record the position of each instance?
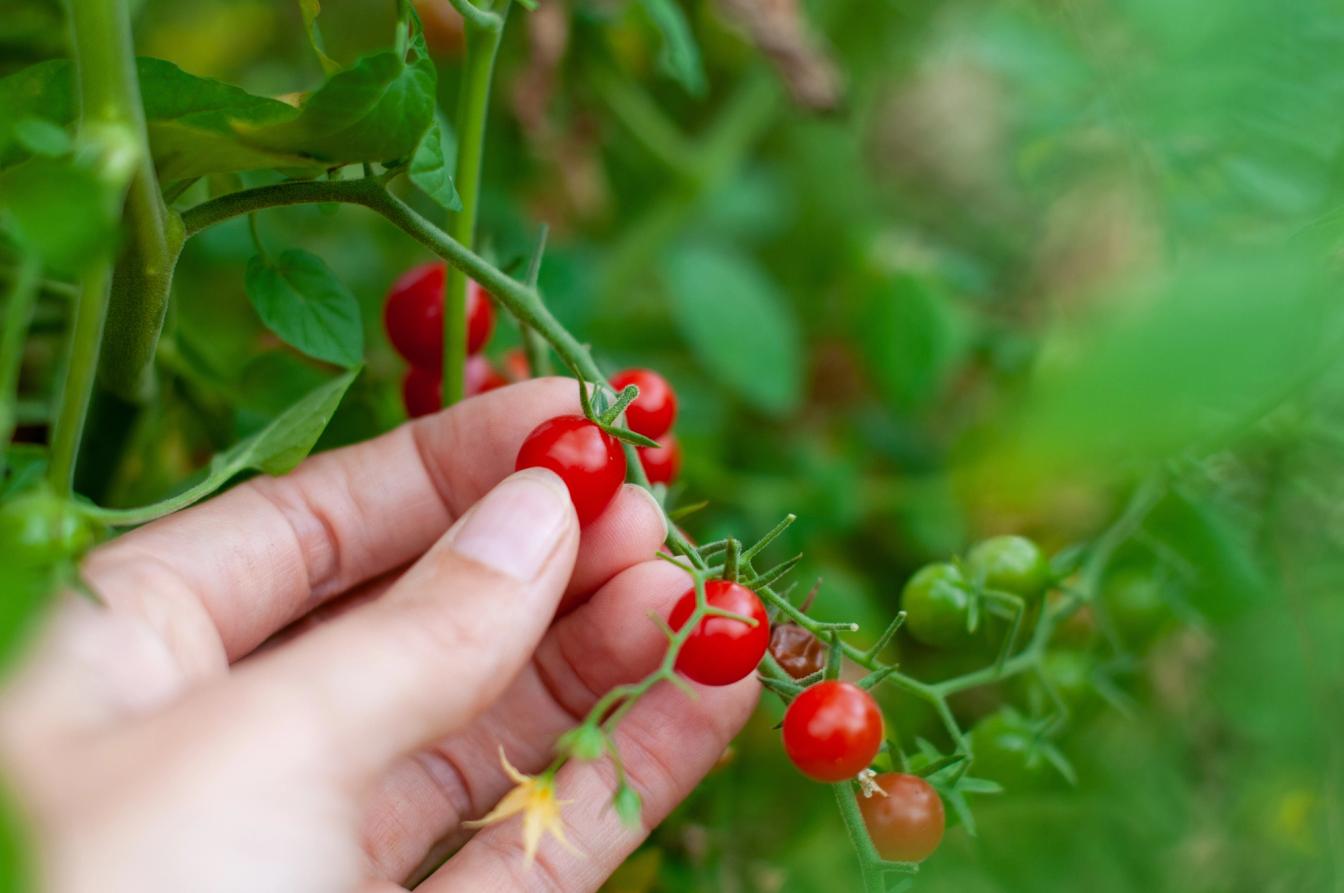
(655, 409)
(413, 316)
(515, 365)
(661, 463)
(721, 650)
(832, 731)
(907, 824)
(589, 460)
(422, 392)
(481, 376)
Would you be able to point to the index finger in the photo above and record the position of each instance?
(240, 566)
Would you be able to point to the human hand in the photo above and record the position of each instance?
(305, 683)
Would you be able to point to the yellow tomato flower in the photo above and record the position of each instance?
(534, 797)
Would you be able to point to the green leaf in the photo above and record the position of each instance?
(430, 170)
(299, 298)
(42, 137)
(738, 325)
(311, 9)
(62, 210)
(25, 463)
(1187, 358)
(16, 849)
(285, 442)
(680, 56)
(910, 339)
(27, 589)
(376, 110)
(190, 119)
(275, 449)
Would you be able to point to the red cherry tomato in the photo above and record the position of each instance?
(907, 824)
(655, 409)
(661, 463)
(722, 650)
(515, 365)
(481, 376)
(413, 316)
(589, 460)
(422, 392)
(832, 731)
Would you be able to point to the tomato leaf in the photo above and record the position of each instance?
(16, 849)
(910, 339)
(299, 298)
(275, 449)
(738, 324)
(680, 56)
(310, 10)
(64, 210)
(430, 168)
(285, 442)
(376, 110)
(42, 137)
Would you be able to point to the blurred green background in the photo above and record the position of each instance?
(920, 273)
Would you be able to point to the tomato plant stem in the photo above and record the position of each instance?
(110, 95)
(473, 104)
(18, 314)
(81, 364)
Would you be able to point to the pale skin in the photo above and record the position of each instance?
(304, 683)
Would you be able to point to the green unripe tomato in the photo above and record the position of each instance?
(1007, 749)
(38, 529)
(1011, 564)
(936, 605)
(1134, 603)
(1069, 673)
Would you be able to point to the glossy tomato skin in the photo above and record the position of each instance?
(515, 364)
(589, 460)
(721, 650)
(413, 316)
(1010, 564)
(832, 731)
(796, 650)
(421, 392)
(937, 605)
(661, 464)
(908, 823)
(655, 409)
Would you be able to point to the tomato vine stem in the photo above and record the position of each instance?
(483, 32)
(18, 314)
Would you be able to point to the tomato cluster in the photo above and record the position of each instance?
(652, 414)
(938, 598)
(413, 317)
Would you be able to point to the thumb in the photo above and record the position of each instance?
(445, 640)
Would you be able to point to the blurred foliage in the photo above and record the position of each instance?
(1045, 249)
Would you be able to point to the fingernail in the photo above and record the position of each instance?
(515, 527)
